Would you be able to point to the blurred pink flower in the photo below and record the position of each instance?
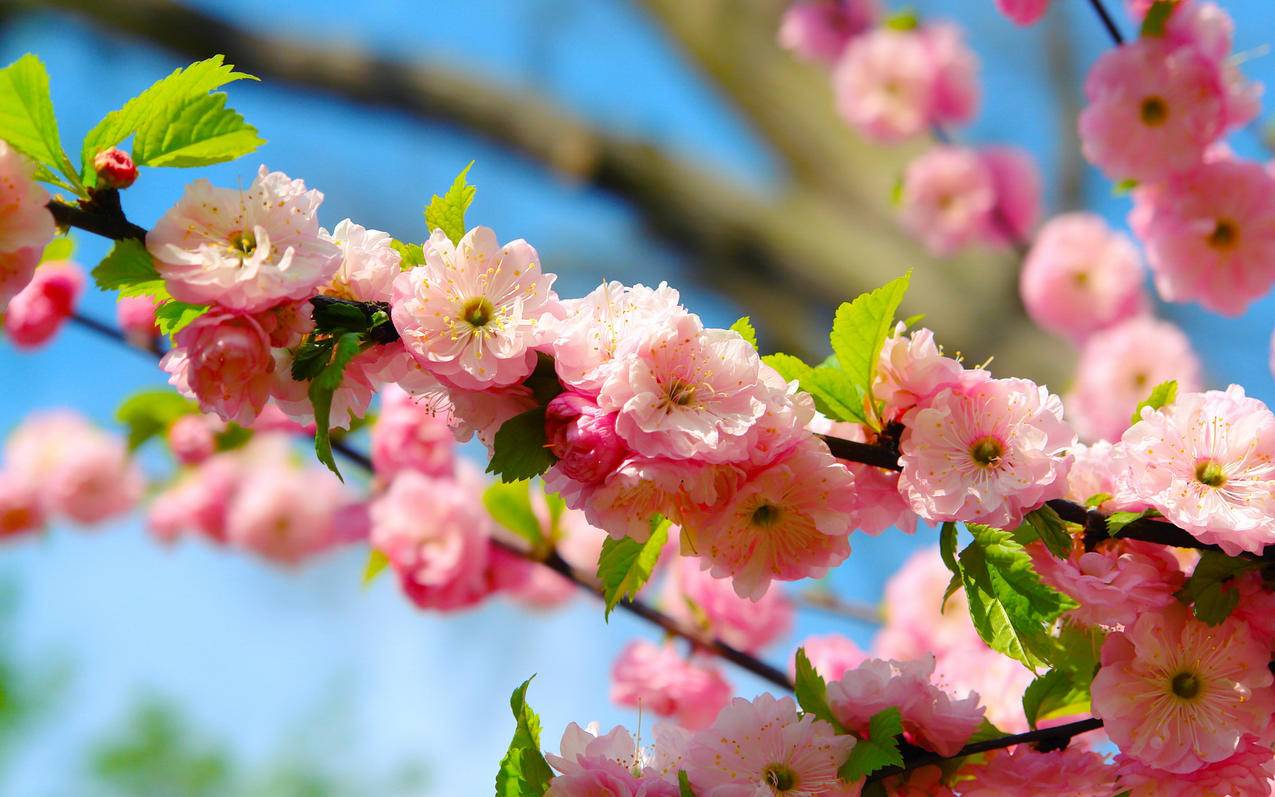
(36, 314)
(658, 679)
(693, 597)
(1071, 772)
(947, 198)
(819, 30)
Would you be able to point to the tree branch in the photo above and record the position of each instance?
(1107, 22)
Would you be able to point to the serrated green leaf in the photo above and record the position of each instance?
(1051, 530)
(1080, 650)
(322, 387)
(1157, 15)
(375, 565)
(859, 331)
(523, 771)
(1209, 590)
(625, 564)
(1116, 521)
(447, 212)
(1054, 694)
(1161, 396)
(149, 413)
(129, 269)
(156, 109)
(509, 504)
(878, 751)
(60, 248)
(812, 692)
(410, 255)
(684, 784)
(518, 450)
(1012, 610)
(1098, 499)
(744, 326)
(173, 316)
(947, 550)
(196, 131)
(27, 121)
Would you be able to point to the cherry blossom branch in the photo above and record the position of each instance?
(1107, 21)
(101, 215)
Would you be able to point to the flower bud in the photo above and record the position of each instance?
(192, 439)
(115, 168)
(583, 438)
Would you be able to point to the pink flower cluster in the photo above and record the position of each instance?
(38, 311)
(26, 225)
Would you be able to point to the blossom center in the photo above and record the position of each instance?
(986, 451)
(1224, 235)
(1210, 473)
(243, 242)
(1185, 685)
(679, 393)
(765, 515)
(478, 312)
(1154, 111)
(781, 778)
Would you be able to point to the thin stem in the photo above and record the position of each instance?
(823, 600)
(1107, 21)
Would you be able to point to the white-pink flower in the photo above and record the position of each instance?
(1114, 584)
(1022, 770)
(947, 198)
(25, 221)
(472, 312)
(281, 512)
(1081, 276)
(832, 655)
(1016, 181)
(912, 369)
(1176, 694)
(658, 679)
(611, 765)
(1249, 772)
(988, 454)
(884, 84)
(369, 264)
(695, 598)
(1207, 463)
(244, 250)
(410, 434)
(224, 361)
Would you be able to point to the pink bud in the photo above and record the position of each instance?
(191, 439)
(583, 438)
(115, 168)
(136, 317)
(35, 315)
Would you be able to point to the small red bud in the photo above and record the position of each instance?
(115, 168)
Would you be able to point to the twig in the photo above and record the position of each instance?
(1107, 21)
(823, 600)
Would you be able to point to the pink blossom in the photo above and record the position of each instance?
(1023, 12)
(912, 369)
(1096, 470)
(931, 718)
(954, 97)
(986, 454)
(350, 401)
(94, 479)
(471, 313)
(1114, 584)
(1205, 462)
(832, 655)
(21, 511)
(947, 198)
(1210, 235)
(878, 503)
(1256, 607)
(1118, 368)
(1247, 773)
(369, 264)
(284, 513)
(583, 438)
(1153, 110)
(410, 435)
(884, 84)
(1081, 277)
(1071, 772)
(785, 421)
(244, 250)
(37, 313)
(1000, 680)
(192, 438)
(1176, 694)
(819, 30)
(1207, 28)
(623, 504)
(920, 782)
(785, 522)
(272, 419)
(687, 392)
(115, 168)
(223, 361)
(441, 555)
(914, 624)
(762, 746)
(481, 413)
(528, 582)
(199, 500)
(16, 269)
(607, 766)
(656, 678)
(695, 598)
(1016, 181)
(136, 317)
(25, 222)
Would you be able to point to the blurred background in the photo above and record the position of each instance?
(638, 140)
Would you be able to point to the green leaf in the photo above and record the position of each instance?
(322, 387)
(509, 504)
(744, 326)
(878, 751)
(812, 692)
(557, 507)
(860, 329)
(906, 19)
(173, 316)
(518, 450)
(1098, 499)
(410, 255)
(376, 564)
(129, 269)
(947, 549)
(232, 437)
(447, 212)
(684, 784)
(523, 771)
(1012, 610)
(830, 387)
(1051, 530)
(1116, 521)
(1209, 590)
(1157, 15)
(1162, 395)
(626, 564)
(1124, 187)
(27, 120)
(1054, 694)
(149, 413)
(60, 248)
(179, 102)
(1080, 651)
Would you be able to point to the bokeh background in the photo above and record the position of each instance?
(639, 140)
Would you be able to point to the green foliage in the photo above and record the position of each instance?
(376, 563)
(156, 755)
(1098, 499)
(60, 248)
(176, 122)
(518, 450)
(447, 212)
(150, 413)
(27, 120)
(1208, 589)
(1116, 521)
(625, 564)
(859, 331)
(812, 692)
(509, 504)
(1050, 529)
(1012, 610)
(129, 269)
(322, 388)
(523, 771)
(1161, 396)
(826, 384)
(173, 316)
(744, 326)
(1157, 15)
(906, 19)
(1054, 694)
(410, 255)
(684, 784)
(879, 750)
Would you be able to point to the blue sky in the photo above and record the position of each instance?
(251, 651)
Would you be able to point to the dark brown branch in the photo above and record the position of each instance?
(105, 220)
(1107, 21)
